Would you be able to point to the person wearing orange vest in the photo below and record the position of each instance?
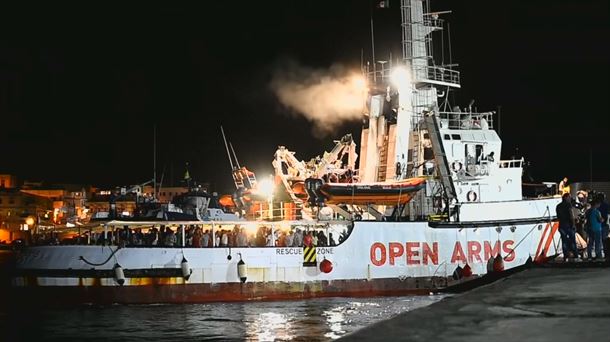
(564, 188)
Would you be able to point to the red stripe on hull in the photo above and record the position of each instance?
(226, 292)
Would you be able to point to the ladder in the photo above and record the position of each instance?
(415, 152)
(244, 178)
(383, 160)
(439, 155)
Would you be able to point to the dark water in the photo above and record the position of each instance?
(306, 320)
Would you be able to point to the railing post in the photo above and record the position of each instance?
(213, 235)
(183, 237)
(105, 234)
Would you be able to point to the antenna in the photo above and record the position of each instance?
(449, 41)
(234, 156)
(187, 176)
(373, 50)
(161, 182)
(590, 168)
(500, 120)
(224, 138)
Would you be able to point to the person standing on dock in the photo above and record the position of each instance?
(566, 227)
(603, 210)
(595, 225)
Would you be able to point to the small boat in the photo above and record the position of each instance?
(378, 193)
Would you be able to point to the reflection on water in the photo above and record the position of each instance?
(311, 320)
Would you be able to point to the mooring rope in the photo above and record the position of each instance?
(512, 250)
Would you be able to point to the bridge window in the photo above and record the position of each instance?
(456, 137)
(447, 137)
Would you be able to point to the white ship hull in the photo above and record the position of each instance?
(378, 258)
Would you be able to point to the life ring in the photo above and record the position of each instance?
(472, 196)
(456, 166)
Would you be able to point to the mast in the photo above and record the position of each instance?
(418, 24)
(373, 49)
(154, 161)
(392, 146)
(224, 138)
(234, 156)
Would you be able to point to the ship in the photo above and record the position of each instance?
(431, 205)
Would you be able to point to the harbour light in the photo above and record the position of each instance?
(29, 221)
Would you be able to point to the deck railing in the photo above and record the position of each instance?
(512, 163)
(466, 120)
(423, 73)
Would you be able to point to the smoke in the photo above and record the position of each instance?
(328, 98)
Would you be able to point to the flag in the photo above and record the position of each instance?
(187, 176)
(383, 4)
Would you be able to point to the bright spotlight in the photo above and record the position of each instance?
(401, 78)
(266, 187)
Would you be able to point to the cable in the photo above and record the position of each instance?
(100, 264)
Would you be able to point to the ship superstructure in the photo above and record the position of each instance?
(411, 131)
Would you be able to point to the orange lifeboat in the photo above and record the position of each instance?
(378, 193)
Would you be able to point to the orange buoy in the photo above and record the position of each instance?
(467, 271)
(498, 265)
(326, 266)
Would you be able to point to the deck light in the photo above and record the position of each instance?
(401, 78)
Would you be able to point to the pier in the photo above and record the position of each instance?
(563, 302)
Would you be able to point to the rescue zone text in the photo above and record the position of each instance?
(299, 251)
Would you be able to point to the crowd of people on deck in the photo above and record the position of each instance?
(583, 225)
(198, 237)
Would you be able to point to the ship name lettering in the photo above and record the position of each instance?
(472, 253)
(426, 253)
(414, 253)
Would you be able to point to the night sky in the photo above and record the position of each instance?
(81, 88)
